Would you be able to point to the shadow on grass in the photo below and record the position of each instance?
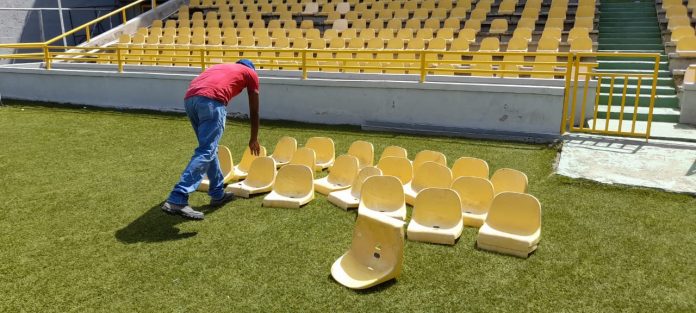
(371, 290)
(156, 226)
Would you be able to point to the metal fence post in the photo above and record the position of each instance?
(304, 64)
(47, 57)
(422, 66)
(118, 59)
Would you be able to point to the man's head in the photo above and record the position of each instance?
(247, 63)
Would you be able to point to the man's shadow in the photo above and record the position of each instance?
(156, 226)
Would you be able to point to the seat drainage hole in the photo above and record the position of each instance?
(376, 255)
(382, 211)
(436, 227)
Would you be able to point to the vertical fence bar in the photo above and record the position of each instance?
(596, 101)
(154, 4)
(87, 33)
(123, 16)
(118, 59)
(584, 100)
(635, 106)
(569, 71)
(575, 92)
(202, 59)
(304, 64)
(623, 102)
(422, 66)
(47, 57)
(652, 96)
(611, 97)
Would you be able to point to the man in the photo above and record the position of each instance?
(206, 99)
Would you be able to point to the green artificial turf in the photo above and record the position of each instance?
(81, 231)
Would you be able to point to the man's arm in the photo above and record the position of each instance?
(254, 121)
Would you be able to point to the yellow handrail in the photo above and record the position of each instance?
(121, 10)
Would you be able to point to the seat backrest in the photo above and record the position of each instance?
(340, 24)
(515, 213)
(285, 148)
(431, 175)
(225, 159)
(475, 193)
(304, 156)
(466, 166)
(382, 194)
(577, 32)
(262, 172)
(522, 32)
(429, 155)
(437, 207)
(324, 148)
(363, 174)
(394, 151)
(517, 44)
(490, 44)
(378, 242)
(397, 167)
(499, 24)
(247, 158)
(344, 170)
(294, 180)
(437, 44)
(581, 44)
(364, 151)
(681, 32)
(507, 179)
(686, 44)
(548, 44)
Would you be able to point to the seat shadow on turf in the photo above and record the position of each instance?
(156, 226)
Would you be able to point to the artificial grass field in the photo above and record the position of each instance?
(81, 231)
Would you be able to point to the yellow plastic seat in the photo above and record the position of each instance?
(376, 254)
(241, 170)
(466, 166)
(476, 195)
(397, 167)
(383, 194)
(364, 151)
(260, 179)
(547, 44)
(304, 156)
(284, 150)
(513, 225)
(350, 198)
(428, 156)
(437, 217)
(581, 45)
(498, 26)
(293, 187)
(342, 174)
(474, 24)
(428, 175)
(226, 166)
(324, 149)
(578, 32)
(507, 7)
(394, 151)
(517, 44)
(686, 45)
(537, 67)
(681, 32)
(507, 179)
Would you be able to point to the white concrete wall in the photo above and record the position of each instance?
(484, 104)
(687, 104)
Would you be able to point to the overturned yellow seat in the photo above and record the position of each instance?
(507, 179)
(428, 156)
(241, 169)
(304, 156)
(428, 175)
(476, 195)
(324, 149)
(376, 253)
(513, 225)
(401, 168)
(466, 166)
(340, 177)
(226, 166)
(260, 179)
(350, 198)
(394, 151)
(383, 194)
(364, 151)
(293, 187)
(284, 150)
(437, 217)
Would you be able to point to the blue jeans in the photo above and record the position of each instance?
(207, 117)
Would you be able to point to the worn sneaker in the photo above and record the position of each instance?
(227, 197)
(184, 211)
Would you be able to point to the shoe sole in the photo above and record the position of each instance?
(188, 217)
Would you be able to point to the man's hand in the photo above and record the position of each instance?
(254, 147)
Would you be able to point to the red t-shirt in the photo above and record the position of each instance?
(222, 82)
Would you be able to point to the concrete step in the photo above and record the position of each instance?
(631, 89)
(622, 34)
(663, 58)
(661, 73)
(659, 114)
(617, 14)
(658, 130)
(661, 101)
(629, 41)
(632, 46)
(631, 64)
(661, 81)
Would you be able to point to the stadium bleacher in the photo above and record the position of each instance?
(220, 27)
